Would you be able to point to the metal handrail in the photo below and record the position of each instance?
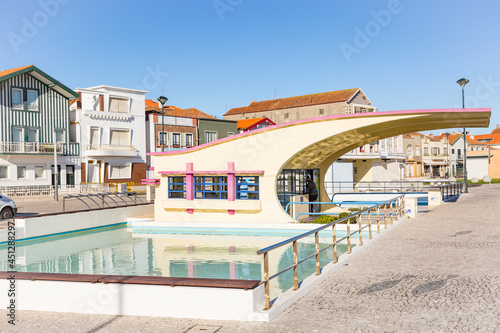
(454, 189)
(331, 203)
(102, 196)
(399, 201)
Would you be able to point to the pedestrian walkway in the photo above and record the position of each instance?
(439, 272)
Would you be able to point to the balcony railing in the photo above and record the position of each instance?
(31, 147)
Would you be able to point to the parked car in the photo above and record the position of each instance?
(8, 207)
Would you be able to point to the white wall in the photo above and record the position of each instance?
(477, 167)
(90, 116)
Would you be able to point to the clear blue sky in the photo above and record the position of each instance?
(219, 54)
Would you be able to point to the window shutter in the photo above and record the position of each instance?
(101, 102)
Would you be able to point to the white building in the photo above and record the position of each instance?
(109, 124)
(382, 160)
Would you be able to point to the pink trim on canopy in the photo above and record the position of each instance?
(340, 116)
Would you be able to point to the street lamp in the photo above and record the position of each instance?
(462, 82)
(162, 100)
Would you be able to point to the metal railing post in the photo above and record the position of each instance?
(360, 231)
(391, 213)
(295, 267)
(316, 239)
(267, 297)
(378, 219)
(397, 208)
(348, 236)
(334, 235)
(370, 224)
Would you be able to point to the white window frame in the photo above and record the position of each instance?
(230, 133)
(27, 100)
(111, 130)
(211, 132)
(60, 130)
(25, 172)
(43, 173)
(180, 139)
(189, 142)
(129, 165)
(22, 133)
(17, 106)
(98, 143)
(161, 136)
(6, 172)
(120, 98)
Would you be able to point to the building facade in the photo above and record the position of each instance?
(379, 161)
(109, 124)
(178, 128)
(412, 144)
(35, 124)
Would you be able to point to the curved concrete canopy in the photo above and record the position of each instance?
(308, 143)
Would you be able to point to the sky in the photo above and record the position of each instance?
(215, 55)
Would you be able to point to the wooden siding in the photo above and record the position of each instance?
(53, 110)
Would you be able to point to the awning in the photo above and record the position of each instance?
(436, 163)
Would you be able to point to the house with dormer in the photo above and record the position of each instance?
(35, 126)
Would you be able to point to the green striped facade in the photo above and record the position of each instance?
(53, 112)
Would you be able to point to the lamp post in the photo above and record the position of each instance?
(162, 100)
(462, 82)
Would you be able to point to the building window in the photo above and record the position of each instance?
(435, 151)
(321, 112)
(453, 151)
(426, 151)
(119, 171)
(38, 172)
(177, 187)
(409, 151)
(32, 100)
(459, 152)
(230, 133)
(417, 150)
(94, 137)
(119, 105)
(17, 99)
(176, 139)
(120, 137)
(285, 116)
(247, 188)
(59, 135)
(163, 138)
(21, 172)
(445, 151)
(207, 187)
(210, 136)
(189, 139)
(3, 172)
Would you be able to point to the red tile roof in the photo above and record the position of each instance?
(246, 123)
(13, 70)
(189, 113)
(297, 101)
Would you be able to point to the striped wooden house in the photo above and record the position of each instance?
(35, 121)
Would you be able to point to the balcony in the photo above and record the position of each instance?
(28, 148)
(110, 150)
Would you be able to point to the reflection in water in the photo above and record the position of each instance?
(120, 252)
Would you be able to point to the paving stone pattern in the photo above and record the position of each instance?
(439, 272)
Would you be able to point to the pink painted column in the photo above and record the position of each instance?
(189, 184)
(231, 185)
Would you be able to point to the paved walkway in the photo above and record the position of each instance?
(437, 273)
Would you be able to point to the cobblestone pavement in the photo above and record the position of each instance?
(439, 272)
